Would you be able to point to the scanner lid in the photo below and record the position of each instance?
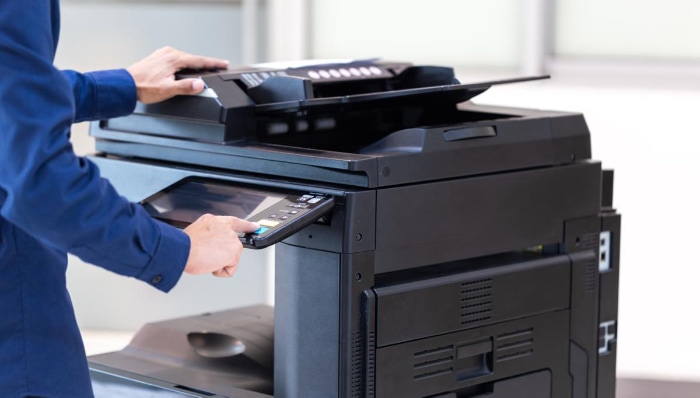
(343, 85)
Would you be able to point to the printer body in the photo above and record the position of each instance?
(471, 250)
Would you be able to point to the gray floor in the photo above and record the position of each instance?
(626, 388)
(638, 388)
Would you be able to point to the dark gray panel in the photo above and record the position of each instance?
(455, 219)
(477, 361)
(306, 322)
(446, 304)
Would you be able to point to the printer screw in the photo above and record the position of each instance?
(358, 237)
(386, 171)
(358, 276)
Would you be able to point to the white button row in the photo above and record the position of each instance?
(345, 72)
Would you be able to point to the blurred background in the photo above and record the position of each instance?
(632, 67)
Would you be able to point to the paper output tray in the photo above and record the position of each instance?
(443, 94)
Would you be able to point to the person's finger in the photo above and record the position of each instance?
(197, 85)
(190, 61)
(225, 272)
(187, 86)
(240, 225)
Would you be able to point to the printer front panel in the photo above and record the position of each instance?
(465, 330)
(423, 224)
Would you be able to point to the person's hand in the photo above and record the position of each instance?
(214, 244)
(155, 75)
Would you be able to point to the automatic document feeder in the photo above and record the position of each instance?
(449, 249)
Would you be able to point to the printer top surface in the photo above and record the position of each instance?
(366, 123)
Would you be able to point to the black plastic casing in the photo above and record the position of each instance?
(459, 260)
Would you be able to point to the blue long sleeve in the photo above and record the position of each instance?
(45, 189)
(102, 94)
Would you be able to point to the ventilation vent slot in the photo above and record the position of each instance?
(433, 362)
(591, 276)
(514, 345)
(476, 301)
(371, 344)
(356, 375)
(439, 372)
(590, 240)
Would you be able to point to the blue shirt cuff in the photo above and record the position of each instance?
(168, 261)
(115, 94)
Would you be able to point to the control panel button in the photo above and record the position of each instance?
(260, 230)
(268, 223)
(375, 71)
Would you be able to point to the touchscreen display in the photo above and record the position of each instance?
(185, 203)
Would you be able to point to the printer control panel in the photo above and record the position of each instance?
(317, 73)
(291, 214)
(280, 212)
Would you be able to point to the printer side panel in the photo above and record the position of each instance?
(581, 244)
(609, 283)
(593, 244)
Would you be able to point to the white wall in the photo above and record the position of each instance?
(438, 32)
(624, 28)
